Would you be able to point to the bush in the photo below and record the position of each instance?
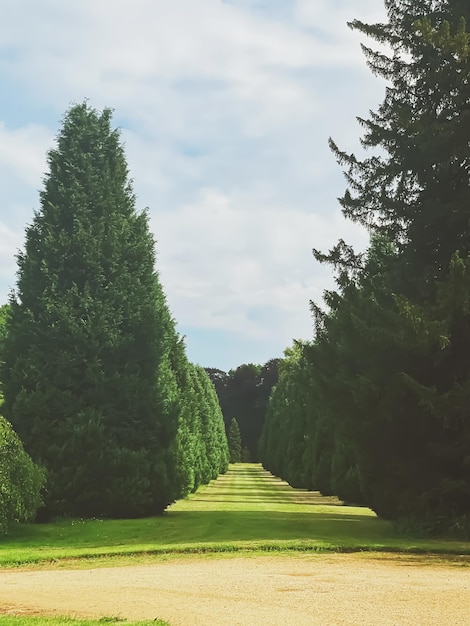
(21, 480)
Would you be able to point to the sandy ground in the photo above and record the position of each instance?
(297, 590)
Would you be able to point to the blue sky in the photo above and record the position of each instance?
(225, 108)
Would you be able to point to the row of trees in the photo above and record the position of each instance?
(95, 377)
(376, 408)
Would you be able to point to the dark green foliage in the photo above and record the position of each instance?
(214, 439)
(398, 329)
(21, 480)
(284, 437)
(246, 456)
(407, 390)
(234, 442)
(298, 439)
(96, 379)
(388, 421)
(352, 378)
(405, 440)
(88, 334)
(243, 393)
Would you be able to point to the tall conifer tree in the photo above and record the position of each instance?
(234, 442)
(88, 333)
(409, 390)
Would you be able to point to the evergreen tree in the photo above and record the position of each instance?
(234, 442)
(84, 377)
(358, 348)
(200, 450)
(215, 442)
(297, 439)
(407, 387)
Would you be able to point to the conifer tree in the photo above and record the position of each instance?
(83, 379)
(234, 442)
(200, 451)
(214, 439)
(407, 385)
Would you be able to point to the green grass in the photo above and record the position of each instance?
(247, 509)
(68, 621)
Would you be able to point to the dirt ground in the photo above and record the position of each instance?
(297, 590)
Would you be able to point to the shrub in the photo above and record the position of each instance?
(21, 480)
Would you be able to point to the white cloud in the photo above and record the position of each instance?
(23, 151)
(136, 55)
(224, 257)
(226, 108)
(331, 16)
(10, 243)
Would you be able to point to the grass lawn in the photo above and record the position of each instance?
(246, 509)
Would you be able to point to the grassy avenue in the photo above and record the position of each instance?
(245, 510)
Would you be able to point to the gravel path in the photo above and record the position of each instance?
(297, 590)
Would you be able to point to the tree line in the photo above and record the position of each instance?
(95, 378)
(376, 407)
(243, 394)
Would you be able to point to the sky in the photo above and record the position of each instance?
(225, 109)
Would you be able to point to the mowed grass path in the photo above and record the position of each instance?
(245, 509)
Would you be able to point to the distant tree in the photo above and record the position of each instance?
(219, 379)
(214, 438)
(243, 393)
(234, 442)
(286, 437)
(88, 332)
(245, 455)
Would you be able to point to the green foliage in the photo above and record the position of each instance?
(243, 393)
(381, 415)
(245, 455)
(404, 393)
(234, 442)
(4, 314)
(21, 480)
(88, 333)
(406, 388)
(214, 439)
(245, 509)
(299, 439)
(201, 449)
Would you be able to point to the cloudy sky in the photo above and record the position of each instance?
(225, 107)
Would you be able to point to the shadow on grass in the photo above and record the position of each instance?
(245, 507)
(227, 526)
(187, 527)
